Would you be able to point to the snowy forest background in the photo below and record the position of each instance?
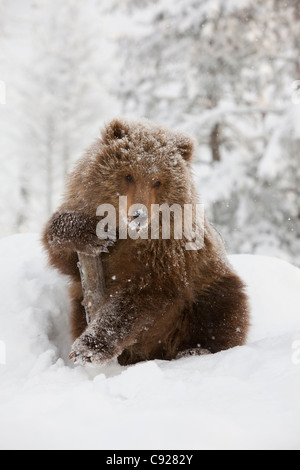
(226, 71)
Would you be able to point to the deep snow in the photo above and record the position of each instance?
(244, 398)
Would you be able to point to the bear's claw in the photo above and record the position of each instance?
(88, 349)
(79, 358)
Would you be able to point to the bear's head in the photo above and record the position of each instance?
(140, 160)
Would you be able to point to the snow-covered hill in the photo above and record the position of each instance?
(244, 398)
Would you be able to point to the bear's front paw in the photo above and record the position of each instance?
(76, 231)
(89, 349)
(192, 352)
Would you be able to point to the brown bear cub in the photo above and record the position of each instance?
(162, 300)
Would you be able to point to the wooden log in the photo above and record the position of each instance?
(93, 283)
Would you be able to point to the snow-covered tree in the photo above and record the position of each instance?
(60, 100)
(9, 192)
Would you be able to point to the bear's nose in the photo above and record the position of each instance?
(140, 214)
(137, 213)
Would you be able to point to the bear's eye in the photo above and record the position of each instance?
(129, 178)
(157, 184)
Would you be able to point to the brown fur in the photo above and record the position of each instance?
(161, 299)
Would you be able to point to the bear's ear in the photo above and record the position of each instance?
(115, 130)
(186, 146)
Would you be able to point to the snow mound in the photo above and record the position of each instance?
(244, 398)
